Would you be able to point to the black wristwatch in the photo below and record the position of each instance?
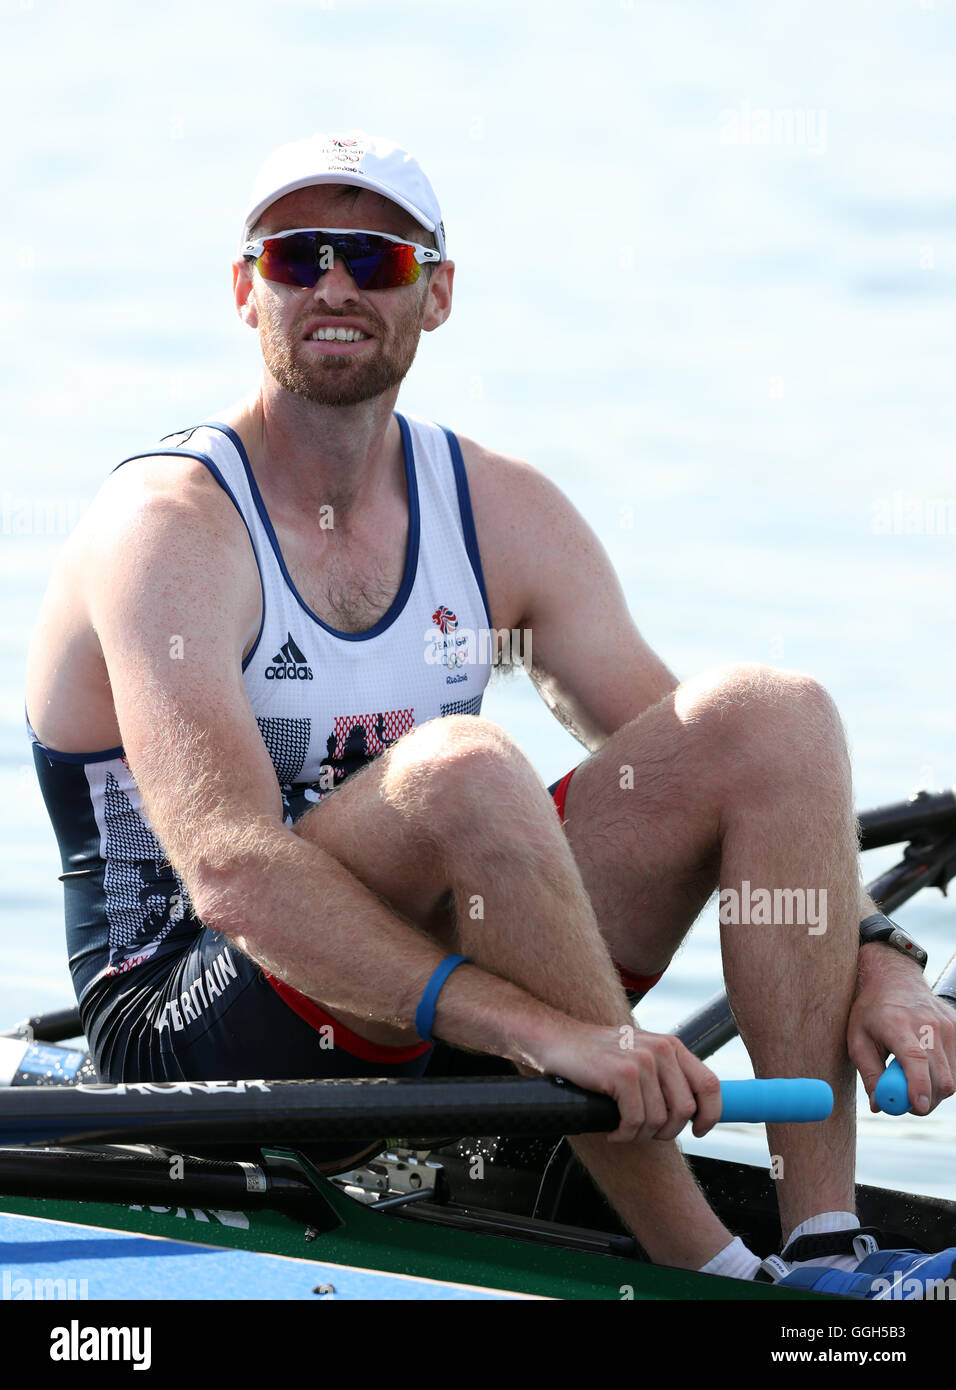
(878, 927)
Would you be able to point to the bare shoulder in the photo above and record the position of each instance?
(155, 514)
(158, 524)
(148, 491)
(160, 539)
(502, 481)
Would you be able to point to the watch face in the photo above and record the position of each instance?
(908, 946)
(879, 927)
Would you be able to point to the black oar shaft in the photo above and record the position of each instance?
(298, 1112)
(890, 825)
(56, 1026)
(709, 1027)
(922, 866)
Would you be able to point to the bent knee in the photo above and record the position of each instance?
(454, 762)
(764, 715)
(760, 694)
(451, 738)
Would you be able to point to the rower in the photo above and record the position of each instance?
(293, 845)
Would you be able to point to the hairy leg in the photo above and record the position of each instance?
(454, 809)
(741, 777)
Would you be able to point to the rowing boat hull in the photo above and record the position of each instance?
(450, 1250)
(399, 1251)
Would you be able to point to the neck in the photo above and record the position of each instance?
(308, 456)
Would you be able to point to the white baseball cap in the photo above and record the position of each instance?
(351, 157)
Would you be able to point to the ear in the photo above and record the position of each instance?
(242, 289)
(438, 299)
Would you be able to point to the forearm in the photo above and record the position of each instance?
(306, 919)
(879, 963)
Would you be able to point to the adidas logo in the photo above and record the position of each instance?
(289, 664)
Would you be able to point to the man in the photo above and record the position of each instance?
(296, 849)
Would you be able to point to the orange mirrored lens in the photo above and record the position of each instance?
(373, 262)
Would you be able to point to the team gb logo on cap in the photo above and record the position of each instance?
(345, 151)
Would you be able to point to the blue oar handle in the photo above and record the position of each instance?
(781, 1099)
(892, 1092)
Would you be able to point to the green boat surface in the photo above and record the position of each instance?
(540, 1265)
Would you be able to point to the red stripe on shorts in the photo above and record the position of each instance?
(636, 984)
(350, 1042)
(633, 984)
(561, 791)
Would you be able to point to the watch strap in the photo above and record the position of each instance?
(879, 927)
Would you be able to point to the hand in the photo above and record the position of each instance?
(895, 1011)
(658, 1085)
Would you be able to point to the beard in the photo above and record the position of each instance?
(345, 380)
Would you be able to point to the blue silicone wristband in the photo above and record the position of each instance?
(425, 1013)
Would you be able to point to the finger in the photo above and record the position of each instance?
(949, 1053)
(630, 1103)
(625, 1133)
(679, 1098)
(942, 1074)
(655, 1106)
(869, 1059)
(706, 1089)
(919, 1086)
(639, 1101)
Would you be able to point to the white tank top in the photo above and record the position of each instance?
(326, 702)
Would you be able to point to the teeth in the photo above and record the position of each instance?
(338, 335)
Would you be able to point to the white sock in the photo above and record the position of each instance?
(819, 1225)
(735, 1261)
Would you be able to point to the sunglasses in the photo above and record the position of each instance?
(301, 257)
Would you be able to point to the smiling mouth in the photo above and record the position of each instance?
(338, 335)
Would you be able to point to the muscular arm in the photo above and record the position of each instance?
(174, 562)
(547, 572)
(157, 597)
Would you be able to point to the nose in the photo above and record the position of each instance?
(336, 286)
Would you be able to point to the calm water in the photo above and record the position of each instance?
(705, 281)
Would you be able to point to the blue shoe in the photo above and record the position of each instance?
(880, 1274)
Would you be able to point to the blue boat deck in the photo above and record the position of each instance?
(48, 1260)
